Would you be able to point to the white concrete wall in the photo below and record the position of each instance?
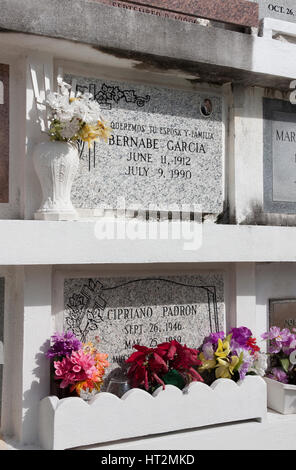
(12, 56)
(27, 330)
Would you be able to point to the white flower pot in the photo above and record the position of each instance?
(72, 422)
(56, 164)
(281, 397)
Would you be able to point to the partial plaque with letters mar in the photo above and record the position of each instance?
(279, 148)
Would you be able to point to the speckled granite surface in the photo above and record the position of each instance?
(164, 150)
(240, 12)
(147, 311)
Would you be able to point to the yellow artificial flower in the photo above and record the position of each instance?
(223, 348)
(224, 369)
(87, 384)
(93, 132)
(206, 363)
(89, 348)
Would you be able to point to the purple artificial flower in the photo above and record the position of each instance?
(290, 344)
(278, 374)
(278, 338)
(63, 345)
(247, 361)
(243, 370)
(240, 337)
(208, 350)
(214, 337)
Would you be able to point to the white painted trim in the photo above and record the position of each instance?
(270, 27)
(74, 242)
(71, 422)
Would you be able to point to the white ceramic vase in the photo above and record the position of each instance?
(56, 164)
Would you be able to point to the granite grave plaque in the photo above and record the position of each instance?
(239, 12)
(166, 148)
(282, 313)
(279, 156)
(4, 132)
(279, 9)
(123, 312)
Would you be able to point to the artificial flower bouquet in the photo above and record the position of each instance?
(79, 368)
(73, 117)
(282, 343)
(167, 363)
(231, 356)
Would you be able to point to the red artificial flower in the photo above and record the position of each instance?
(146, 365)
(181, 358)
(251, 343)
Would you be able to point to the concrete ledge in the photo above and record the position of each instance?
(154, 41)
(47, 243)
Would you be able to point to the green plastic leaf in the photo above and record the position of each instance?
(240, 361)
(228, 338)
(285, 364)
(173, 377)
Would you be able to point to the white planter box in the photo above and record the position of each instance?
(281, 397)
(72, 422)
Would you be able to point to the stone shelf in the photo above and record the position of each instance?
(28, 242)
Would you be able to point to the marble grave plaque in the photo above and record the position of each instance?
(282, 313)
(123, 312)
(166, 149)
(279, 9)
(279, 156)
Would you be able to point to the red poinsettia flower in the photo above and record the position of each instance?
(181, 358)
(146, 366)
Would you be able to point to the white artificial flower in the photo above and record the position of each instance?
(87, 109)
(259, 365)
(70, 129)
(60, 107)
(64, 87)
(71, 113)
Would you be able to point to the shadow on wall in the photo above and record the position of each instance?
(257, 216)
(30, 402)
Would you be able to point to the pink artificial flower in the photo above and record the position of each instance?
(78, 367)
